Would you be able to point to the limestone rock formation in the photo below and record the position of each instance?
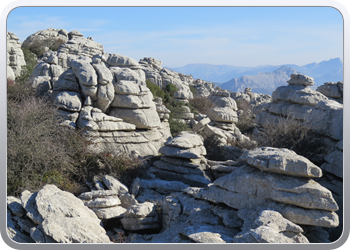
(182, 161)
(299, 199)
(239, 195)
(297, 101)
(47, 36)
(268, 227)
(15, 56)
(104, 94)
(52, 215)
(333, 90)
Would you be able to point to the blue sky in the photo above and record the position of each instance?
(240, 36)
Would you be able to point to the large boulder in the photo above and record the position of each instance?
(63, 217)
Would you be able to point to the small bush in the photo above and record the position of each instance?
(193, 90)
(38, 46)
(155, 89)
(171, 89)
(293, 135)
(36, 149)
(177, 126)
(202, 104)
(17, 91)
(40, 151)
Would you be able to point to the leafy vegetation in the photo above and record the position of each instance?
(175, 107)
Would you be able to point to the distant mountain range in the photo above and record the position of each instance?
(263, 79)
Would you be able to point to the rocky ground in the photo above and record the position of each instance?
(212, 184)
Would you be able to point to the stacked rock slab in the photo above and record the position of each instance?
(53, 216)
(188, 220)
(277, 179)
(203, 88)
(182, 161)
(15, 56)
(333, 180)
(112, 201)
(219, 130)
(333, 90)
(162, 111)
(298, 102)
(185, 115)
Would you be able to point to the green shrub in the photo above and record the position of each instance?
(155, 89)
(193, 90)
(171, 89)
(177, 126)
(175, 107)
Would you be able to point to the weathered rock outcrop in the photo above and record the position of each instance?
(182, 161)
(51, 216)
(333, 90)
(299, 199)
(15, 56)
(104, 94)
(266, 196)
(298, 102)
(248, 196)
(47, 37)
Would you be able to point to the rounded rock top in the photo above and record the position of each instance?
(301, 79)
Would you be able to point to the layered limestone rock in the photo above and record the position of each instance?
(183, 161)
(299, 199)
(253, 101)
(188, 220)
(203, 88)
(162, 111)
(268, 226)
(109, 203)
(317, 111)
(141, 216)
(298, 102)
(15, 56)
(47, 37)
(54, 216)
(333, 90)
(221, 137)
(104, 94)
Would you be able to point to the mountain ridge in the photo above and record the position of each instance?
(264, 78)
